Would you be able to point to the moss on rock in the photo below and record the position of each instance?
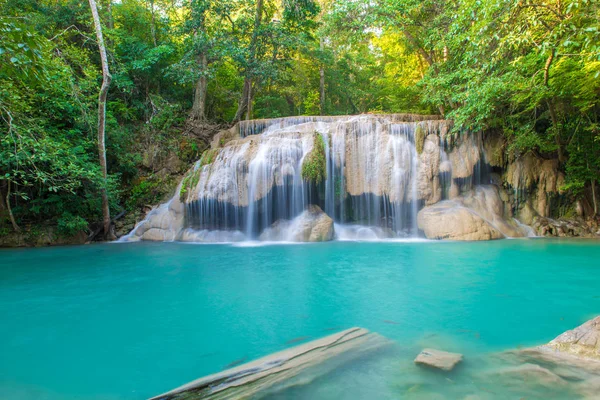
(419, 138)
(314, 167)
(208, 157)
(190, 181)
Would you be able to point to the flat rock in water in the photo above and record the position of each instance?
(281, 369)
(438, 359)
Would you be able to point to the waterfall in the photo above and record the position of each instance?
(371, 175)
(379, 172)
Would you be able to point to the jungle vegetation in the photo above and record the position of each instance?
(178, 69)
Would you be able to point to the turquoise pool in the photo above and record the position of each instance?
(128, 321)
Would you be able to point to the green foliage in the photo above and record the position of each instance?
(189, 182)
(145, 192)
(208, 157)
(69, 224)
(314, 166)
(530, 69)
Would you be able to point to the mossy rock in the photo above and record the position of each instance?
(208, 157)
(314, 167)
(190, 181)
(419, 138)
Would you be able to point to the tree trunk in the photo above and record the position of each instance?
(153, 26)
(247, 90)
(321, 82)
(420, 49)
(594, 197)
(10, 213)
(199, 107)
(243, 104)
(249, 102)
(556, 126)
(106, 78)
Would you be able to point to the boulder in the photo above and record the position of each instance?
(451, 220)
(313, 225)
(438, 359)
(476, 215)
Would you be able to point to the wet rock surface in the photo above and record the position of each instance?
(438, 359)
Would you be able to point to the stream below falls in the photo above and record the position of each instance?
(132, 320)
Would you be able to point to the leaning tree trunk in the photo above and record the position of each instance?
(199, 107)
(594, 197)
(243, 104)
(106, 78)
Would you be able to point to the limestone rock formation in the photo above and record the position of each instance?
(535, 180)
(313, 225)
(428, 181)
(465, 155)
(162, 224)
(450, 220)
(379, 170)
(438, 359)
(476, 215)
(576, 227)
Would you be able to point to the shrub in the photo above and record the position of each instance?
(69, 224)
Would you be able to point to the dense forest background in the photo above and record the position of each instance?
(183, 69)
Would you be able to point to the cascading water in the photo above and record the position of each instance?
(371, 175)
(379, 171)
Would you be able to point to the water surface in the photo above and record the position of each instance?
(128, 321)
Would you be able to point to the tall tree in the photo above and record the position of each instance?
(106, 78)
(245, 101)
(210, 29)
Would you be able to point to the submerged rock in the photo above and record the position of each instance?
(532, 374)
(313, 225)
(572, 359)
(292, 367)
(438, 359)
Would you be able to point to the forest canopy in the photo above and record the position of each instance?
(528, 68)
